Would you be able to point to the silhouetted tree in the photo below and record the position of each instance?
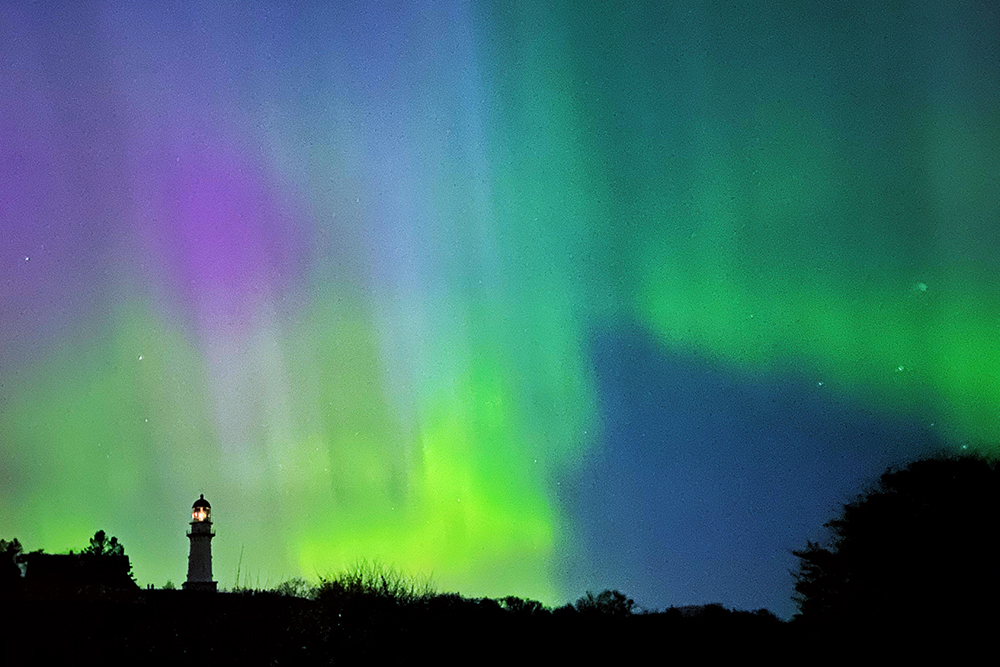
(520, 606)
(10, 571)
(607, 603)
(918, 548)
(101, 545)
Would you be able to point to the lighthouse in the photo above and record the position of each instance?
(200, 557)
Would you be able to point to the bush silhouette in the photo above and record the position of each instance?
(522, 607)
(372, 580)
(607, 603)
(297, 587)
(916, 550)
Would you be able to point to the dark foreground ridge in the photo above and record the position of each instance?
(154, 627)
(266, 627)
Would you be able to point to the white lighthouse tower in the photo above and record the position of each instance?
(200, 558)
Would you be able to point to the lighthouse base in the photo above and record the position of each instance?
(205, 586)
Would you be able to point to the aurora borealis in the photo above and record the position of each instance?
(532, 297)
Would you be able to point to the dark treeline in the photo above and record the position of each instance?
(266, 627)
(371, 613)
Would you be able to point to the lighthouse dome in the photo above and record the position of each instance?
(201, 510)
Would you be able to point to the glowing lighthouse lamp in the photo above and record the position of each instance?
(200, 558)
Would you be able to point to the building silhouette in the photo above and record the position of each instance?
(88, 575)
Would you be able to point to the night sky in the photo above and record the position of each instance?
(533, 297)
